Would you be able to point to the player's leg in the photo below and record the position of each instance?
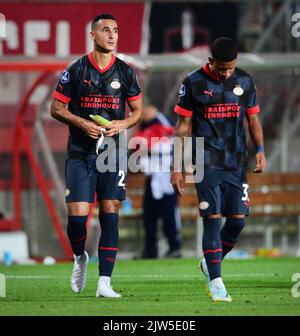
(76, 229)
(171, 224)
(111, 190)
(108, 246)
(235, 208)
(79, 195)
(230, 232)
(212, 250)
(210, 197)
(212, 245)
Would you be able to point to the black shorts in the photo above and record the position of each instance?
(83, 180)
(223, 192)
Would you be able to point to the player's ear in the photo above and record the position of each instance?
(92, 35)
(211, 60)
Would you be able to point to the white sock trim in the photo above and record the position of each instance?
(104, 279)
(217, 283)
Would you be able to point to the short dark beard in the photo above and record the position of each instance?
(102, 50)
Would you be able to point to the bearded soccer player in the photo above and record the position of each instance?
(100, 84)
(215, 100)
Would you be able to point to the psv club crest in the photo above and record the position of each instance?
(238, 90)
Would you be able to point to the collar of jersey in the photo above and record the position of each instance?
(210, 73)
(95, 65)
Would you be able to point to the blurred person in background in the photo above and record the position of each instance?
(214, 101)
(100, 84)
(160, 200)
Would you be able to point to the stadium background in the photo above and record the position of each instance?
(43, 36)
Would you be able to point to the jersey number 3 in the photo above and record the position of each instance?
(245, 197)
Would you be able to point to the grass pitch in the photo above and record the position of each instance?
(260, 286)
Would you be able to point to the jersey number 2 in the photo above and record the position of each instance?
(121, 181)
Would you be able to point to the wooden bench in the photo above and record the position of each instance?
(272, 195)
(275, 196)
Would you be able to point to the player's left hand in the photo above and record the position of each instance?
(116, 127)
(177, 181)
(261, 162)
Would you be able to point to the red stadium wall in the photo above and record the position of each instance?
(63, 29)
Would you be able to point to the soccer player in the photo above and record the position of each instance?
(100, 84)
(215, 100)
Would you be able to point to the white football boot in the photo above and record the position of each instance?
(219, 292)
(78, 278)
(104, 288)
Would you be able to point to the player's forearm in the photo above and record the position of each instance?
(256, 131)
(134, 118)
(60, 113)
(181, 131)
(182, 127)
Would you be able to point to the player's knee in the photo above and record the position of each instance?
(110, 206)
(214, 216)
(78, 208)
(236, 216)
(235, 224)
(212, 224)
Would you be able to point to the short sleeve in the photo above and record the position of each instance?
(134, 90)
(252, 106)
(65, 85)
(184, 104)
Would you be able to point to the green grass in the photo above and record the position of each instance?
(260, 286)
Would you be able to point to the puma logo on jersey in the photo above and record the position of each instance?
(210, 93)
(89, 83)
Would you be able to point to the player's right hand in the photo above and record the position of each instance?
(177, 181)
(260, 162)
(91, 128)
